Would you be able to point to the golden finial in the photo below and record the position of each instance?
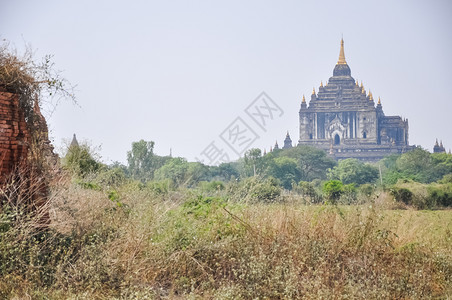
(304, 100)
(321, 83)
(371, 98)
(362, 84)
(313, 91)
(379, 101)
(341, 60)
(357, 84)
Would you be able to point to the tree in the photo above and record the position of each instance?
(417, 164)
(253, 162)
(197, 172)
(80, 160)
(227, 171)
(443, 164)
(313, 163)
(353, 171)
(141, 162)
(285, 170)
(174, 169)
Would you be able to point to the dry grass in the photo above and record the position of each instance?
(139, 245)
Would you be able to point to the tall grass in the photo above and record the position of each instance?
(131, 242)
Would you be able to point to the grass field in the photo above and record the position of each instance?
(134, 244)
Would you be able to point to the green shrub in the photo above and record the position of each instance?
(80, 160)
(440, 195)
(160, 187)
(211, 186)
(446, 179)
(308, 189)
(366, 190)
(349, 194)
(416, 194)
(402, 195)
(255, 189)
(110, 177)
(332, 190)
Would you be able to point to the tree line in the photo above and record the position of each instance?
(303, 169)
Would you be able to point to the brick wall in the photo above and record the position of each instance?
(14, 135)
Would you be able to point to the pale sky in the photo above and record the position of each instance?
(180, 72)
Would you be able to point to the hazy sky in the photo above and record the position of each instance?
(180, 73)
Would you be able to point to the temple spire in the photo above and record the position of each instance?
(304, 100)
(341, 60)
(74, 142)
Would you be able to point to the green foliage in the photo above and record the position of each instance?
(423, 196)
(212, 186)
(253, 162)
(308, 189)
(332, 190)
(226, 171)
(353, 171)
(313, 162)
(197, 172)
(443, 165)
(89, 185)
(81, 161)
(418, 165)
(366, 191)
(180, 172)
(255, 189)
(112, 176)
(349, 194)
(402, 195)
(141, 160)
(161, 187)
(446, 178)
(175, 169)
(285, 170)
(440, 195)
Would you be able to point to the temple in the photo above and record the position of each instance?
(343, 119)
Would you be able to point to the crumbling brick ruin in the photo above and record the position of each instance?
(14, 134)
(25, 156)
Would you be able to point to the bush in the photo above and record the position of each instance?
(349, 194)
(402, 195)
(440, 195)
(418, 195)
(111, 177)
(160, 187)
(211, 186)
(308, 189)
(81, 161)
(255, 189)
(332, 190)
